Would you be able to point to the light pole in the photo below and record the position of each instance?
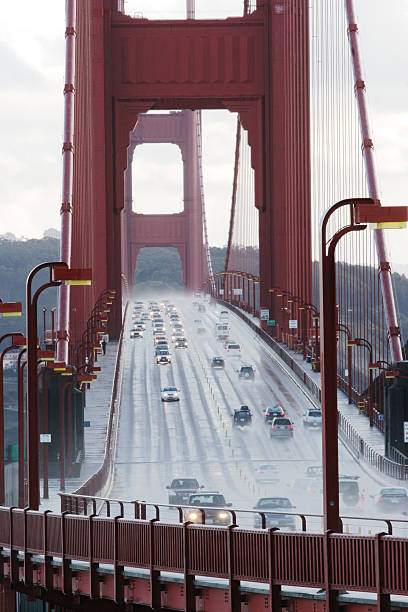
(366, 344)
(362, 211)
(341, 327)
(59, 272)
(17, 340)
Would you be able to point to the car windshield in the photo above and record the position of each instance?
(208, 499)
(393, 491)
(233, 346)
(185, 483)
(267, 467)
(169, 389)
(281, 422)
(274, 502)
(315, 413)
(218, 360)
(348, 486)
(246, 369)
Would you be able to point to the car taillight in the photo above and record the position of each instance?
(288, 426)
(275, 427)
(380, 499)
(306, 420)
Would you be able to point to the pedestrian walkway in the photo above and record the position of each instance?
(96, 411)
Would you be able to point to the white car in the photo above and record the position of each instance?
(170, 394)
(224, 314)
(233, 349)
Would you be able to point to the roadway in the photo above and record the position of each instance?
(194, 437)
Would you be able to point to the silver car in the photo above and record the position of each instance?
(281, 427)
(312, 418)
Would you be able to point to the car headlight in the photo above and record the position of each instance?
(223, 515)
(192, 516)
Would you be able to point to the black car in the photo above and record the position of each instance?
(180, 489)
(218, 363)
(242, 417)
(393, 499)
(247, 372)
(271, 413)
(275, 517)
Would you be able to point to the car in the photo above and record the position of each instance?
(281, 427)
(180, 489)
(273, 507)
(349, 490)
(136, 333)
(161, 346)
(170, 394)
(242, 417)
(224, 314)
(163, 358)
(139, 324)
(312, 419)
(176, 335)
(267, 472)
(314, 470)
(201, 308)
(201, 330)
(213, 504)
(233, 349)
(158, 331)
(217, 363)
(197, 321)
(392, 499)
(274, 411)
(180, 343)
(178, 327)
(144, 316)
(159, 339)
(222, 331)
(247, 372)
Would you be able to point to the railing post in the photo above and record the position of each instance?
(155, 596)
(93, 567)
(274, 589)
(28, 568)
(233, 585)
(189, 594)
(13, 553)
(117, 568)
(331, 595)
(48, 575)
(66, 563)
(383, 599)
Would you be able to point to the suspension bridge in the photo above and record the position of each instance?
(306, 290)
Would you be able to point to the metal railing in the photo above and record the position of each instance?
(99, 480)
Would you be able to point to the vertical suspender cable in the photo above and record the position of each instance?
(67, 167)
(198, 124)
(384, 266)
(234, 196)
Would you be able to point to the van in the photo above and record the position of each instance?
(222, 331)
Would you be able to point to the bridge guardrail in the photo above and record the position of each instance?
(350, 435)
(265, 556)
(100, 480)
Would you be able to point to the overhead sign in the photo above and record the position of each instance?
(45, 438)
(87, 423)
(406, 432)
(237, 291)
(271, 323)
(264, 314)
(221, 291)
(293, 323)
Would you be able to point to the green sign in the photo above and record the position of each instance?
(271, 323)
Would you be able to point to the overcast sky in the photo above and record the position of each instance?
(31, 102)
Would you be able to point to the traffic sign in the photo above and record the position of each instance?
(238, 291)
(293, 323)
(45, 438)
(87, 423)
(264, 314)
(271, 323)
(406, 432)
